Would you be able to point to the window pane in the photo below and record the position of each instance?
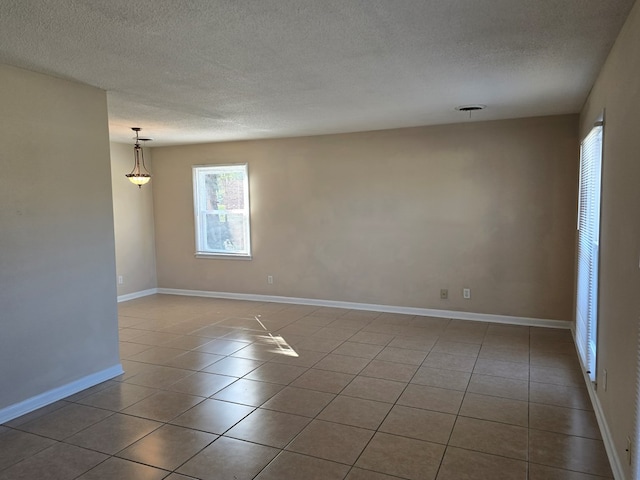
(225, 232)
(225, 191)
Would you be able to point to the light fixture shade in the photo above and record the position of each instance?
(139, 175)
(139, 179)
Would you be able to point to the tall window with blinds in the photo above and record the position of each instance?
(588, 248)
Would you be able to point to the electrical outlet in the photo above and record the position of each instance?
(444, 293)
(120, 279)
(466, 293)
(270, 279)
(628, 450)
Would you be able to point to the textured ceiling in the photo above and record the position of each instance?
(191, 71)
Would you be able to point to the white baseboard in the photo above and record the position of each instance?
(134, 295)
(30, 404)
(424, 312)
(614, 458)
(612, 454)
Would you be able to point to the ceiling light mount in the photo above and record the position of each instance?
(139, 175)
(470, 108)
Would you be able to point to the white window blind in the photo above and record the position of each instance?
(588, 248)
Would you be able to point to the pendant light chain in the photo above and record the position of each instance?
(139, 175)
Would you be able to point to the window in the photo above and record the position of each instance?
(221, 208)
(588, 249)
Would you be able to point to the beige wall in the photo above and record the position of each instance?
(391, 217)
(133, 223)
(617, 92)
(57, 268)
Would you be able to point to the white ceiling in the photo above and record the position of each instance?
(190, 71)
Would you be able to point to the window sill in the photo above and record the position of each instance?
(222, 256)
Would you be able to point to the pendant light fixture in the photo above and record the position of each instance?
(139, 175)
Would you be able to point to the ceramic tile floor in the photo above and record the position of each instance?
(223, 389)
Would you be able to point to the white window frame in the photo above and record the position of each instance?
(201, 211)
